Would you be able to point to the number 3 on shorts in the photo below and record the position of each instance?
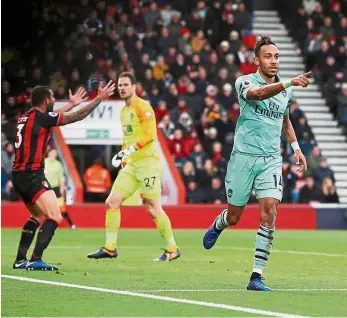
(19, 135)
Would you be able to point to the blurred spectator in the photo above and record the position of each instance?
(329, 191)
(309, 192)
(342, 105)
(176, 145)
(170, 58)
(194, 193)
(7, 158)
(174, 25)
(291, 193)
(159, 68)
(206, 174)
(167, 126)
(155, 96)
(323, 171)
(151, 16)
(4, 185)
(226, 98)
(332, 89)
(184, 40)
(195, 22)
(243, 17)
(61, 93)
(248, 66)
(165, 41)
(304, 135)
(97, 180)
(171, 96)
(295, 112)
(215, 193)
(198, 42)
(313, 160)
(217, 153)
(327, 30)
(92, 24)
(198, 156)
(181, 108)
(161, 110)
(185, 123)
(189, 173)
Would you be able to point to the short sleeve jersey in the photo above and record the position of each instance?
(131, 118)
(259, 127)
(33, 131)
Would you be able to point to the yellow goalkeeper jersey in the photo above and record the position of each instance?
(139, 130)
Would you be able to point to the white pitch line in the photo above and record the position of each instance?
(196, 247)
(288, 252)
(238, 290)
(162, 298)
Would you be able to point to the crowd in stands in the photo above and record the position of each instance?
(186, 56)
(320, 29)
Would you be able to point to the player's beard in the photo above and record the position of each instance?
(268, 74)
(50, 107)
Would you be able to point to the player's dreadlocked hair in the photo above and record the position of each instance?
(264, 40)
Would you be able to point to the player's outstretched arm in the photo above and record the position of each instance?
(74, 100)
(290, 135)
(265, 92)
(103, 93)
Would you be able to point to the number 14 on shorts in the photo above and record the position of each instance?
(277, 181)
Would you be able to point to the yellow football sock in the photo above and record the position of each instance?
(112, 225)
(164, 227)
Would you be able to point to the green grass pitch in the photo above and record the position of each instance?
(312, 282)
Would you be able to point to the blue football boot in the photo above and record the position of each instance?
(103, 253)
(40, 265)
(211, 236)
(257, 284)
(22, 264)
(168, 256)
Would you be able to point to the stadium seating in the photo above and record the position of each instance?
(186, 56)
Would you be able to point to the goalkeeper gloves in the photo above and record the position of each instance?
(120, 156)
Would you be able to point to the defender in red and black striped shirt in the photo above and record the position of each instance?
(33, 133)
(33, 130)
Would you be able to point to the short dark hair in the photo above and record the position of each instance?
(130, 76)
(264, 40)
(38, 95)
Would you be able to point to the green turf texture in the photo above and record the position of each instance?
(219, 268)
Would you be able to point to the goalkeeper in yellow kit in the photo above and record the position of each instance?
(141, 171)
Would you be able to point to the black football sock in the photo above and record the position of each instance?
(255, 275)
(43, 238)
(27, 237)
(66, 216)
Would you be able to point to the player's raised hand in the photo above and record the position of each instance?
(106, 91)
(301, 80)
(79, 97)
(300, 161)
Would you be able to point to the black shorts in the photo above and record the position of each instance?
(30, 184)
